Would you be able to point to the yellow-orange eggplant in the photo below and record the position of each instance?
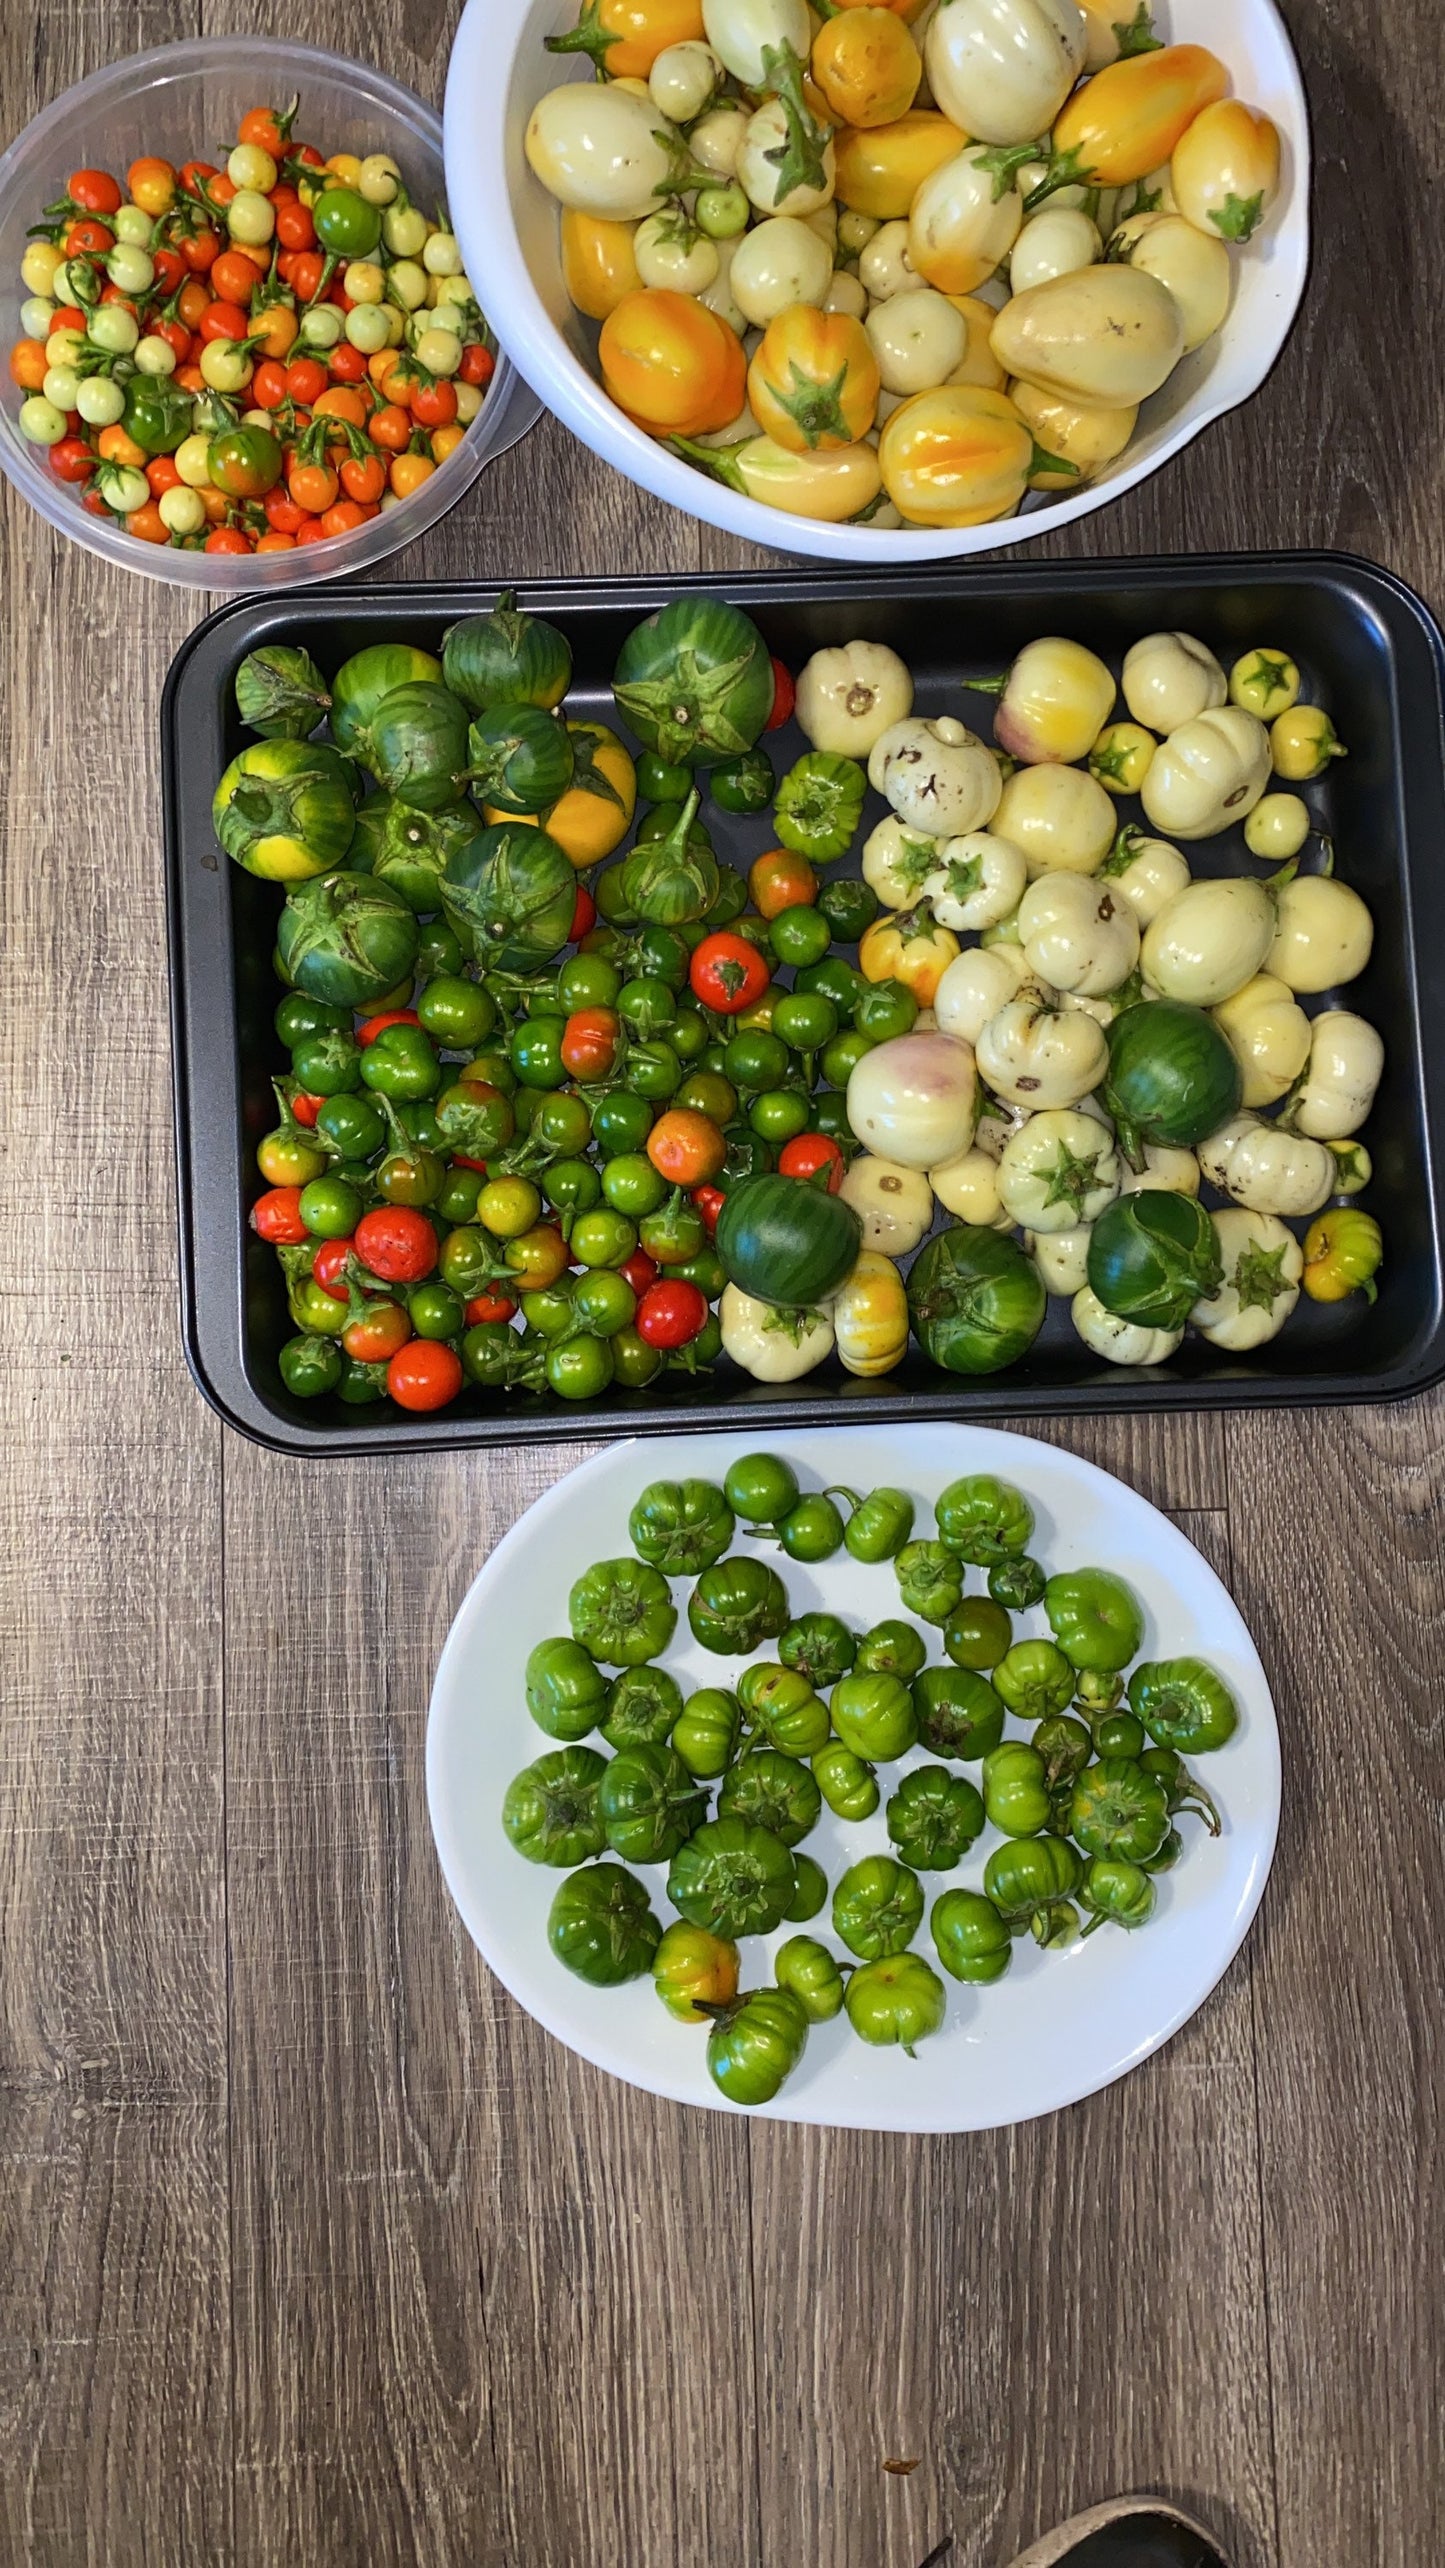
(625, 37)
(908, 946)
(880, 168)
(867, 67)
(962, 223)
(835, 483)
(1127, 120)
(599, 264)
(1105, 336)
(955, 457)
(1075, 433)
(813, 381)
(870, 1315)
(1225, 169)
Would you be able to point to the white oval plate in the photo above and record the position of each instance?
(1059, 2025)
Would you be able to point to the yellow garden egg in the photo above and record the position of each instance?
(881, 168)
(957, 456)
(599, 265)
(1106, 336)
(1084, 435)
(979, 364)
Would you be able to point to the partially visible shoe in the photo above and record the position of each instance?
(1127, 2532)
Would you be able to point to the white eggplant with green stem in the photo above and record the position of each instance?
(1166, 1169)
(1146, 871)
(1208, 774)
(848, 696)
(897, 862)
(777, 264)
(893, 1203)
(1336, 1087)
(1193, 268)
(968, 1187)
(1170, 679)
(766, 45)
(601, 150)
(1323, 933)
(1061, 818)
(1268, 1169)
(1060, 1169)
(1210, 939)
(914, 1098)
(963, 220)
(1062, 1258)
(1262, 1263)
(977, 881)
(772, 1345)
(977, 985)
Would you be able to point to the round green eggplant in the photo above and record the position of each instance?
(785, 1241)
(673, 879)
(521, 758)
(976, 1302)
(416, 745)
(695, 681)
(510, 895)
(283, 809)
(362, 681)
(280, 692)
(1172, 1076)
(409, 849)
(1152, 1256)
(507, 657)
(346, 939)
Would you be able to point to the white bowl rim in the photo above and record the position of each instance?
(567, 390)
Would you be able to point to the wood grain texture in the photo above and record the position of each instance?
(312, 2247)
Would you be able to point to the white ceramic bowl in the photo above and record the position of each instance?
(181, 99)
(508, 228)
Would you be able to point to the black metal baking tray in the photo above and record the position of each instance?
(1371, 653)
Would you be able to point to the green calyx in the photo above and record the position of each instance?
(1071, 1179)
(1066, 169)
(1258, 1279)
(1136, 35)
(816, 409)
(1239, 216)
(589, 36)
(1004, 163)
(800, 159)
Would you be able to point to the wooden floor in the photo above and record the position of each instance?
(313, 2249)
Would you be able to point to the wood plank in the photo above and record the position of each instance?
(462, 2256)
(1339, 1552)
(1037, 2318)
(114, 2268)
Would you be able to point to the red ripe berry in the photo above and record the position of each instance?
(276, 1216)
(671, 1313)
(397, 1244)
(785, 696)
(808, 1155)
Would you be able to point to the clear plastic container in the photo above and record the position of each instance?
(180, 100)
